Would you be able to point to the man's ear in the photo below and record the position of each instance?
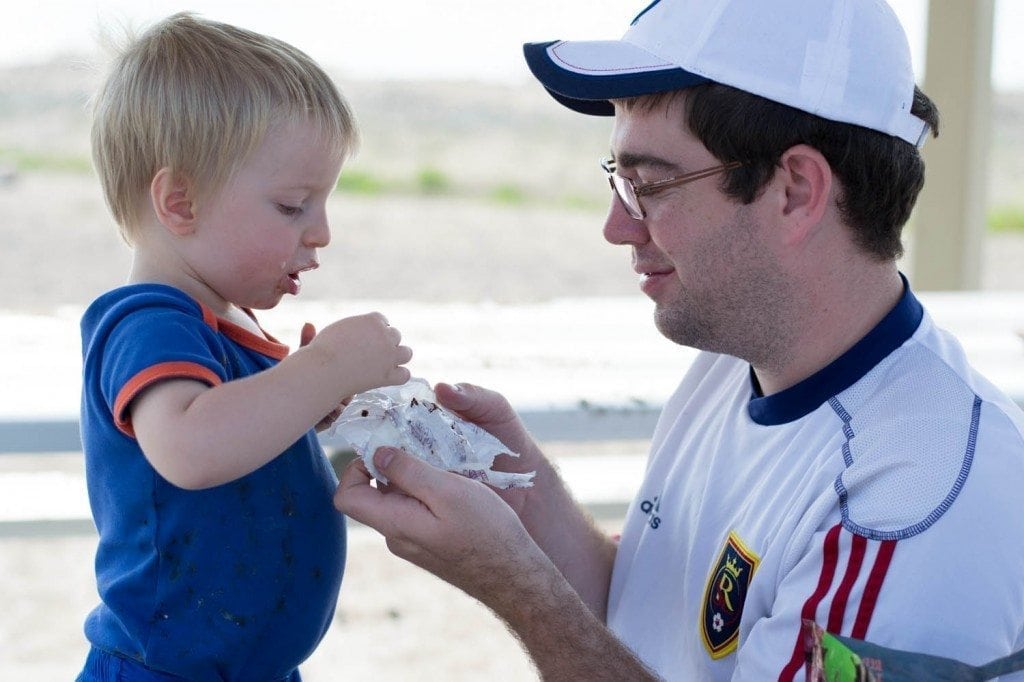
(807, 178)
(173, 201)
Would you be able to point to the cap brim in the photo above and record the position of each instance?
(584, 76)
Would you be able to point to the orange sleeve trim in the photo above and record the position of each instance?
(148, 377)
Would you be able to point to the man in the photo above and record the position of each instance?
(830, 456)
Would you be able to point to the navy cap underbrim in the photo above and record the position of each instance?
(590, 94)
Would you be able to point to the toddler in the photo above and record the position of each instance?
(220, 554)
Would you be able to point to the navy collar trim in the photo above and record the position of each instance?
(800, 400)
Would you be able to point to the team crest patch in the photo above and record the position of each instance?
(724, 596)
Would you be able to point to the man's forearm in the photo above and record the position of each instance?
(562, 635)
(568, 535)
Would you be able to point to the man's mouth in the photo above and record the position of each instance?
(652, 279)
(645, 272)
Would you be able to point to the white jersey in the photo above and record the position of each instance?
(879, 497)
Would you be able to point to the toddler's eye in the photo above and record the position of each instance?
(289, 210)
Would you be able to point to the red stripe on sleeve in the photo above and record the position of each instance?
(830, 558)
(872, 589)
(842, 596)
(149, 376)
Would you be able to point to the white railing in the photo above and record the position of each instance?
(51, 503)
(580, 424)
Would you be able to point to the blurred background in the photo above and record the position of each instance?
(472, 216)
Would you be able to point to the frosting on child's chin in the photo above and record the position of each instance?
(408, 417)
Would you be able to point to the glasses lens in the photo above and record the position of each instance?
(624, 188)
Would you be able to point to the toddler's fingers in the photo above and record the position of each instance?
(404, 354)
(307, 334)
(398, 376)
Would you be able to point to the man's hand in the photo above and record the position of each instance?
(492, 412)
(454, 527)
(561, 528)
(461, 531)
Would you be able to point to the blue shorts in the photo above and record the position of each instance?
(102, 666)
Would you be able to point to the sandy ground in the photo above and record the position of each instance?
(61, 247)
(393, 621)
(66, 250)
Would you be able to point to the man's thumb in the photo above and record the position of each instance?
(404, 471)
(383, 457)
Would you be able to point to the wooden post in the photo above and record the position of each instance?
(949, 222)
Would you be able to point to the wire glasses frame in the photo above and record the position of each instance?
(629, 193)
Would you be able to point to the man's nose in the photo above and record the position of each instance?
(620, 229)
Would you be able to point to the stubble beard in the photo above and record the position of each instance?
(745, 311)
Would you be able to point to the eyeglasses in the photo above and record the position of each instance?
(629, 193)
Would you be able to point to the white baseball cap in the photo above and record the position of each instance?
(843, 60)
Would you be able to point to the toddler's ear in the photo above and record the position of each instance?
(173, 201)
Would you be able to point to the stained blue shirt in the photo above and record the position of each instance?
(235, 582)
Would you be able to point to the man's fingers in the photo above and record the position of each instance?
(455, 397)
(474, 403)
(354, 478)
(404, 510)
(360, 501)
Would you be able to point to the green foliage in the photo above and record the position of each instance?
(1006, 219)
(432, 181)
(584, 203)
(507, 194)
(358, 182)
(428, 181)
(34, 161)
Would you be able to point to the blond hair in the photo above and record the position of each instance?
(198, 96)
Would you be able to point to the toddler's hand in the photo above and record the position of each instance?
(368, 350)
(305, 336)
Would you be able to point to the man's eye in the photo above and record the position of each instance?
(289, 210)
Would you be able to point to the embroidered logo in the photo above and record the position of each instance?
(724, 596)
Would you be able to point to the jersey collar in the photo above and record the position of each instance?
(803, 398)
